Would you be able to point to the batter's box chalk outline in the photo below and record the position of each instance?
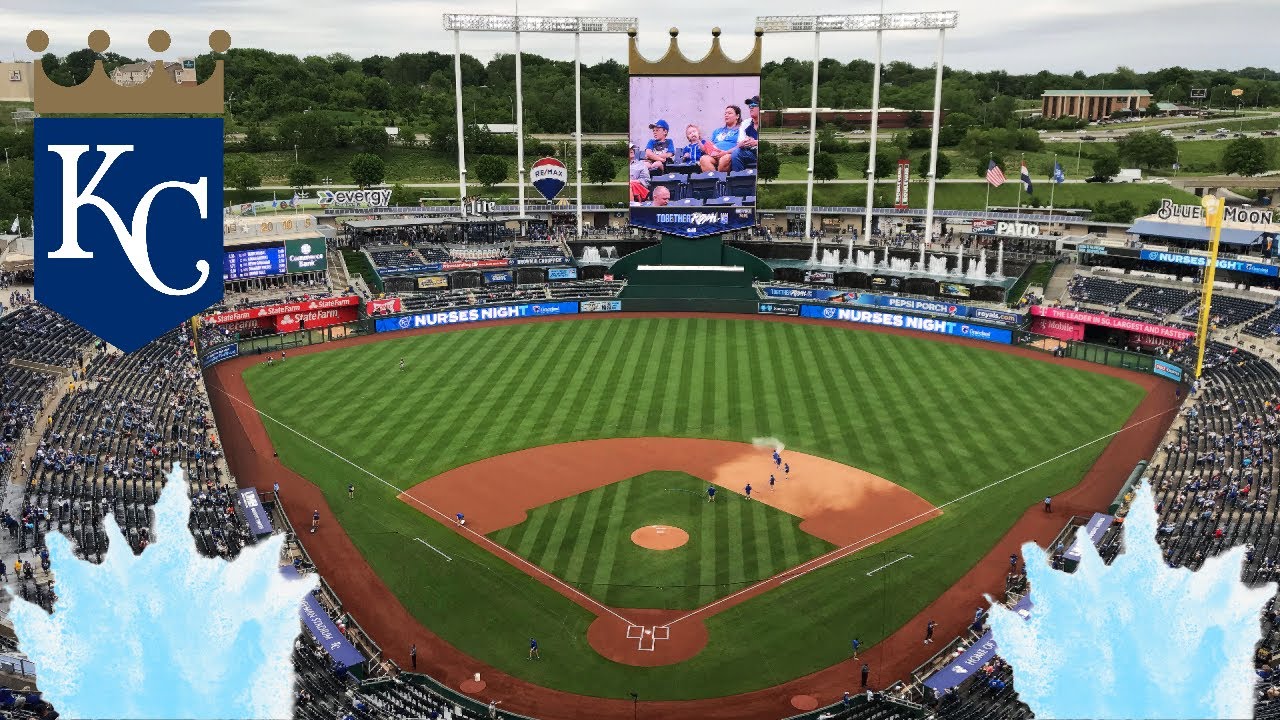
(639, 632)
(662, 633)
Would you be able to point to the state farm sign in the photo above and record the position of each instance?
(274, 310)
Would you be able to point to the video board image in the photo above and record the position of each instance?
(693, 153)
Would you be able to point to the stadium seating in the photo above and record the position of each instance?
(1264, 327)
(1099, 291)
(1160, 300)
(1225, 310)
(392, 257)
(538, 254)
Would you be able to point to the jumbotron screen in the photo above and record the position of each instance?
(693, 152)
(246, 264)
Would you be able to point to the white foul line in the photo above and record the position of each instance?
(433, 547)
(446, 518)
(873, 572)
(824, 560)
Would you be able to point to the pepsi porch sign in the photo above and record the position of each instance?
(548, 176)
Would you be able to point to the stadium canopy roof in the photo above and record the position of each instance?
(1099, 93)
(394, 222)
(1200, 233)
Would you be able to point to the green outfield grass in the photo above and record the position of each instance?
(941, 420)
(586, 541)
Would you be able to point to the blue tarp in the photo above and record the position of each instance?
(1198, 233)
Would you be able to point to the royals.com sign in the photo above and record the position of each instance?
(471, 315)
(909, 322)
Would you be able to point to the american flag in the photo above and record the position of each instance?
(995, 175)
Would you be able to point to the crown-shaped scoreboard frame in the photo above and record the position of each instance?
(158, 95)
(674, 62)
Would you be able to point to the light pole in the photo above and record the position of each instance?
(295, 154)
(518, 24)
(872, 22)
(6, 161)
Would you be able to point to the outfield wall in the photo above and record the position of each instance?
(921, 322)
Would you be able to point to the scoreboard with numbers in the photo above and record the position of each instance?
(245, 264)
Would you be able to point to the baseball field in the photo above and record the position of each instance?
(572, 447)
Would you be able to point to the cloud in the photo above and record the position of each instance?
(1020, 37)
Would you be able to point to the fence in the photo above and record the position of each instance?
(1100, 354)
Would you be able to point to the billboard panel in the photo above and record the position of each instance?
(433, 282)
(246, 264)
(306, 255)
(569, 273)
(692, 169)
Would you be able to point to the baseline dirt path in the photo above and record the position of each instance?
(381, 614)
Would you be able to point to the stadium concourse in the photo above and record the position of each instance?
(87, 431)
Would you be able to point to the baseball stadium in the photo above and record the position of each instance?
(674, 456)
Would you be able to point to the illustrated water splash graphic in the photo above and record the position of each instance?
(1136, 639)
(170, 633)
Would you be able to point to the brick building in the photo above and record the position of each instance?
(890, 118)
(1091, 104)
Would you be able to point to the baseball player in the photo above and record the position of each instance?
(462, 519)
(928, 632)
(315, 520)
(777, 459)
(402, 363)
(748, 491)
(855, 643)
(533, 649)
(351, 491)
(786, 471)
(772, 480)
(711, 493)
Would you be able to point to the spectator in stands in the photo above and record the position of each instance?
(660, 150)
(693, 151)
(661, 196)
(866, 673)
(638, 175)
(718, 150)
(744, 155)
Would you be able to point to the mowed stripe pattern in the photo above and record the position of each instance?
(586, 541)
(911, 411)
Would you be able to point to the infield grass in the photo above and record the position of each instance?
(586, 541)
(941, 420)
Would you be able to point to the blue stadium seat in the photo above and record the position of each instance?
(706, 185)
(688, 202)
(742, 183)
(724, 201)
(677, 184)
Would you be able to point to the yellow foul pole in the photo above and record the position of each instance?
(1213, 212)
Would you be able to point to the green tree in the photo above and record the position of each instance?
(944, 166)
(402, 196)
(985, 162)
(1147, 149)
(600, 167)
(1106, 166)
(769, 166)
(302, 175)
(367, 169)
(369, 137)
(886, 165)
(825, 167)
(1245, 156)
(242, 172)
(490, 170)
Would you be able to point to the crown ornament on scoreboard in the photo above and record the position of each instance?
(158, 95)
(675, 62)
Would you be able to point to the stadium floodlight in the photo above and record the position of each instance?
(516, 24)
(877, 23)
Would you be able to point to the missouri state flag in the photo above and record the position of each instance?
(1026, 178)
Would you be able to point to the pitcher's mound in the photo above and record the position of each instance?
(659, 537)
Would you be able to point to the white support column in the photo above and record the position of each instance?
(933, 141)
(457, 101)
(813, 140)
(875, 131)
(520, 171)
(577, 115)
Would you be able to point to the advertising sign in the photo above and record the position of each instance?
(1202, 261)
(1091, 249)
(386, 306)
(1112, 322)
(355, 198)
(962, 668)
(1093, 530)
(497, 277)
(473, 264)
(433, 282)
(548, 176)
(779, 309)
(699, 133)
(570, 273)
(954, 289)
(1017, 229)
(247, 264)
(909, 322)
(313, 319)
(600, 305)
(273, 310)
(1232, 213)
(218, 354)
(1058, 329)
(471, 315)
(983, 227)
(254, 513)
(819, 276)
(1006, 318)
(1168, 370)
(935, 307)
(904, 182)
(305, 255)
(807, 294)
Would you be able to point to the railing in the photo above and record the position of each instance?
(1100, 354)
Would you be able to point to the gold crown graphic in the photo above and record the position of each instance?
(674, 62)
(158, 95)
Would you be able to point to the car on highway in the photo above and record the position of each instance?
(1188, 137)
(859, 131)
(1159, 181)
(1166, 133)
(1201, 131)
(799, 132)
(1096, 179)
(1240, 135)
(1269, 133)
(1087, 137)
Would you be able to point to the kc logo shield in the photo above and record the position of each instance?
(130, 241)
(129, 211)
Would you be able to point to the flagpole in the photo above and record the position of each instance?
(986, 206)
(1021, 162)
(1053, 184)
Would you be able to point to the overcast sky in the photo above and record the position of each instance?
(1015, 35)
